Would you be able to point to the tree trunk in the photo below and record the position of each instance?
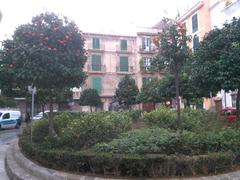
(42, 108)
(50, 118)
(187, 102)
(178, 120)
(90, 108)
(237, 104)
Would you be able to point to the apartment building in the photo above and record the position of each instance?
(197, 22)
(111, 57)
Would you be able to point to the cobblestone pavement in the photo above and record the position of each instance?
(7, 136)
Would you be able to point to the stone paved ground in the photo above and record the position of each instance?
(3, 175)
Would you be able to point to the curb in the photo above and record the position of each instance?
(18, 167)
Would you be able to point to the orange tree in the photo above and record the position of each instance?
(47, 53)
(172, 53)
(217, 60)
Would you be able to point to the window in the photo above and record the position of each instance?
(195, 42)
(146, 44)
(147, 62)
(97, 84)
(6, 116)
(124, 63)
(146, 80)
(96, 63)
(96, 43)
(123, 45)
(194, 23)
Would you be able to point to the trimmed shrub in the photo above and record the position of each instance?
(192, 120)
(163, 141)
(60, 122)
(126, 165)
(94, 128)
(81, 130)
(135, 115)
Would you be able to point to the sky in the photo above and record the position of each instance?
(124, 17)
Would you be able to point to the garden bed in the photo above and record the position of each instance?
(106, 144)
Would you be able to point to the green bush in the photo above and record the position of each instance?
(81, 130)
(164, 141)
(60, 122)
(94, 128)
(126, 165)
(7, 102)
(192, 120)
(135, 115)
(161, 117)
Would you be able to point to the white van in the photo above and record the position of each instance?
(10, 118)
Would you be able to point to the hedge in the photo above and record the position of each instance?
(165, 141)
(150, 165)
(79, 131)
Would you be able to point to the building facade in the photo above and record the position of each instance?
(110, 58)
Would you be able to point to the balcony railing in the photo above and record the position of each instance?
(147, 69)
(124, 69)
(96, 68)
(148, 49)
(101, 47)
(128, 50)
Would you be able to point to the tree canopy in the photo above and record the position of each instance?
(173, 52)
(47, 53)
(90, 97)
(217, 60)
(127, 91)
(149, 92)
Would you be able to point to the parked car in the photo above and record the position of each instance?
(41, 115)
(230, 113)
(10, 118)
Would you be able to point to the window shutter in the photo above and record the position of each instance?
(194, 23)
(149, 41)
(195, 42)
(123, 45)
(96, 43)
(124, 63)
(143, 43)
(97, 84)
(96, 63)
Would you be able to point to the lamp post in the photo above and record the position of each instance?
(32, 90)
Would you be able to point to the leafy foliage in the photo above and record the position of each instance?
(192, 120)
(173, 52)
(90, 97)
(216, 64)
(149, 92)
(7, 102)
(127, 91)
(164, 141)
(47, 53)
(81, 130)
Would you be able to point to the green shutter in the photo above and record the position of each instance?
(149, 39)
(96, 63)
(123, 45)
(97, 84)
(143, 43)
(123, 63)
(194, 23)
(96, 43)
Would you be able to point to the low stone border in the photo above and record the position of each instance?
(18, 167)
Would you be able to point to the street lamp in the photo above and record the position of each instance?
(32, 90)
